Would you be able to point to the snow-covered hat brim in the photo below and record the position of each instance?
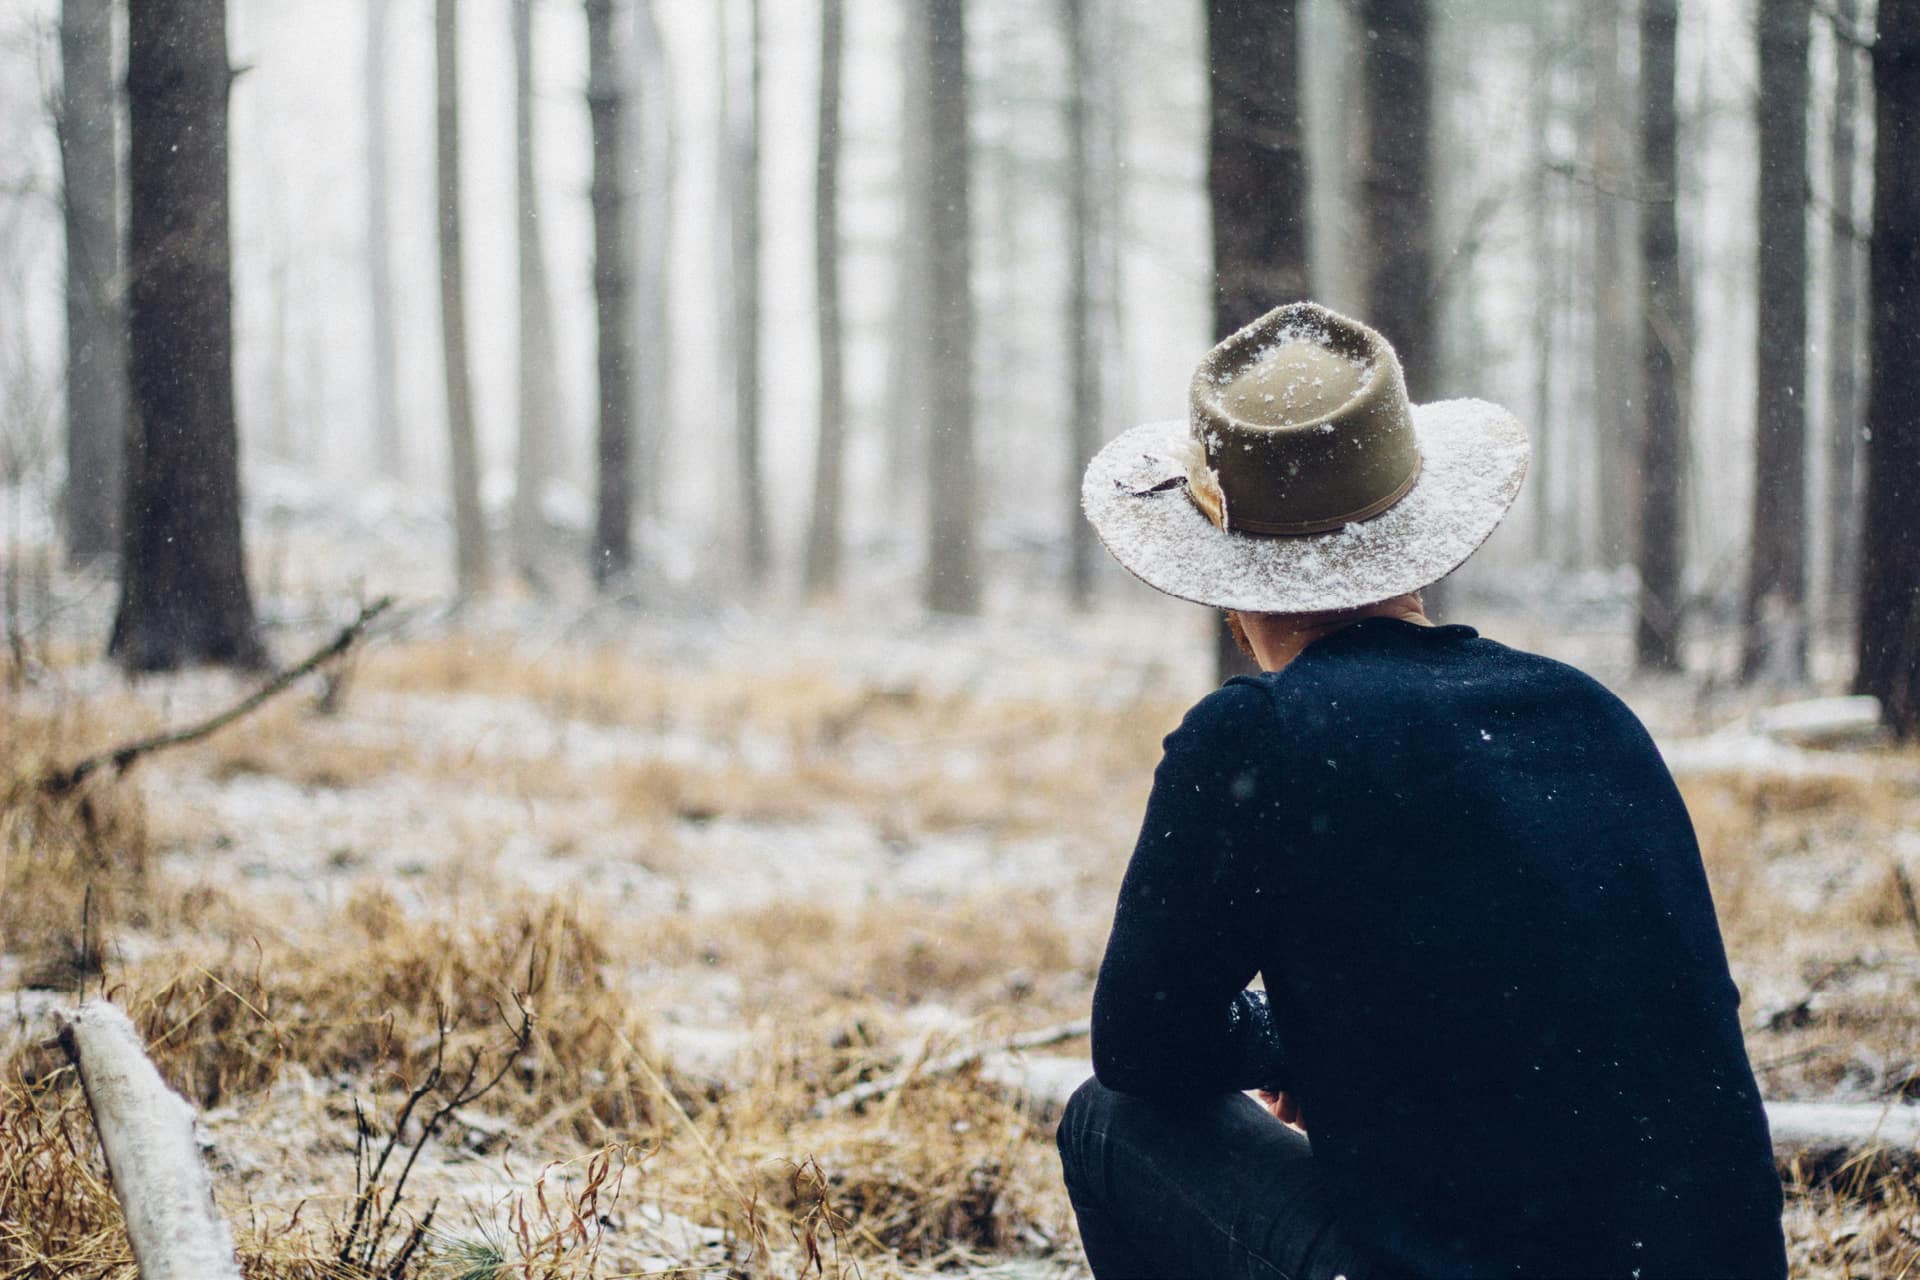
(1474, 455)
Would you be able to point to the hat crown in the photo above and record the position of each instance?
(1302, 424)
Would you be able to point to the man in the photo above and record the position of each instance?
(1495, 992)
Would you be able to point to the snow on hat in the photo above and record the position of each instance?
(1304, 480)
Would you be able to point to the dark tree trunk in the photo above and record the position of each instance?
(539, 407)
(183, 591)
(1890, 546)
(1398, 180)
(463, 454)
(1256, 180)
(613, 524)
(96, 344)
(380, 329)
(1665, 322)
(1843, 323)
(953, 584)
(1775, 633)
(1083, 423)
(823, 535)
(744, 212)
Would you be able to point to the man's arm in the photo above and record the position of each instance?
(1171, 1013)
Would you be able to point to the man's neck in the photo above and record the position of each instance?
(1278, 639)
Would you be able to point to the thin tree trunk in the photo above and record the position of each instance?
(1083, 422)
(96, 344)
(824, 534)
(1889, 646)
(539, 414)
(1843, 324)
(613, 524)
(909, 362)
(1775, 638)
(953, 584)
(1257, 181)
(183, 589)
(469, 522)
(744, 211)
(380, 330)
(1616, 356)
(1546, 291)
(1398, 204)
(1665, 345)
(652, 132)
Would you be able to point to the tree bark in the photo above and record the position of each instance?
(469, 522)
(1665, 323)
(1083, 422)
(1617, 355)
(952, 584)
(96, 344)
(744, 214)
(1398, 180)
(539, 407)
(651, 131)
(613, 524)
(183, 588)
(1889, 644)
(1256, 181)
(380, 329)
(1843, 323)
(1775, 638)
(824, 534)
(909, 361)
(1544, 472)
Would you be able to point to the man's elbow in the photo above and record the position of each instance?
(1155, 1080)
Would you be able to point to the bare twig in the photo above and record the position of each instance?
(1904, 884)
(847, 1099)
(121, 758)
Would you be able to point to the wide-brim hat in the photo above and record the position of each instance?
(1304, 480)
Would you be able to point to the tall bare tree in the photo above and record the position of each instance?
(539, 415)
(909, 359)
(829, 466)
(469, 522)
(96, 346)
(1889, 643)
(1843, 317)
(651, 146)
(1775, 639)
(952, 584)
(1397, 210)
(183, 585)
(1083, 333)
(1666, 330)
(743, 207)
(1256, 179)
(380, 328)
(1616, 353)
(612, 273)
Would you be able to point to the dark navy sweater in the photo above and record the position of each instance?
(1495, 977)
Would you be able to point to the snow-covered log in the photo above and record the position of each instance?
(146, 1131)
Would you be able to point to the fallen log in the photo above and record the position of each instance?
(848, 1099)
(146, 1132)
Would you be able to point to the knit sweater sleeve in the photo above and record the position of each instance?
(1171, 1013)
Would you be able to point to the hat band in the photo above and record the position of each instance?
(1203, 488)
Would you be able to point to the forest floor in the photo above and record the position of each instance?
(733, 866)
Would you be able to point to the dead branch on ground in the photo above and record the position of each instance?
(847, 1099)
(63, 781)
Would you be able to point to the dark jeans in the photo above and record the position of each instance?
(1216, 1188)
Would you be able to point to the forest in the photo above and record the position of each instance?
(557, 688)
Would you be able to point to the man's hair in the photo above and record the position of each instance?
(1239, 633)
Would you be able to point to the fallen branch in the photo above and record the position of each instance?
(146, 1132)
(1045, 1037)
(121, 758)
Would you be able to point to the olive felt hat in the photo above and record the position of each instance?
(1304, 480)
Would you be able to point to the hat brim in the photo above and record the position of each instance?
(1474, 456)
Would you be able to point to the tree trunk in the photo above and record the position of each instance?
(1546, 296)
(183, 588)
(1843, 323)
(653, 146)
(1083, 421)
(96, 343)
(1775, 640)
(823, 535)
(469, 522)
(1665, 322)
(613, 525)
(380, 330)
(1256, 181)
(539, 415)
(908, 360)
(1890, 545)
(1616, 353)
(953, 584)
(1398, 204)
(744, 215)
